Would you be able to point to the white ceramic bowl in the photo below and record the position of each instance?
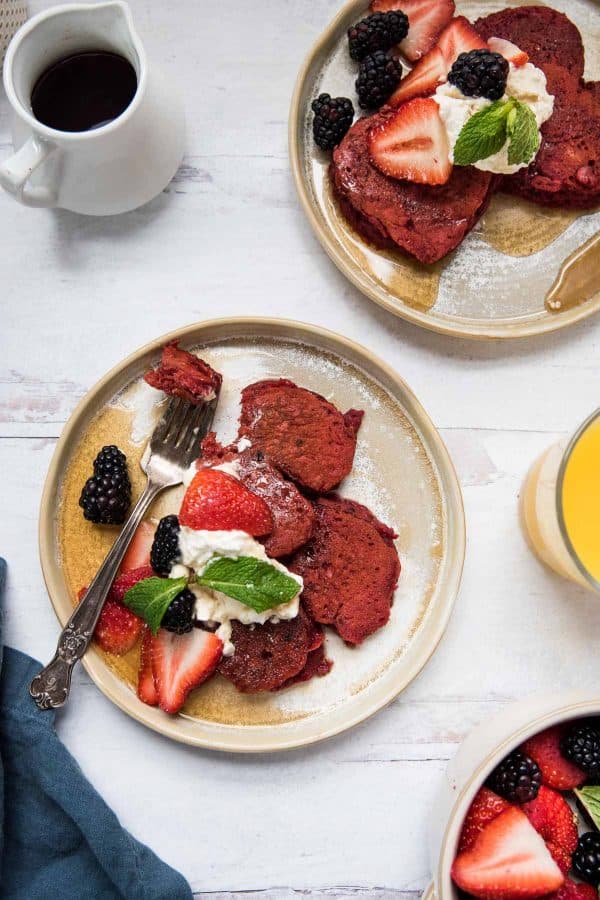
(481, 752)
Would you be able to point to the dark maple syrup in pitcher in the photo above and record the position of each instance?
(84, 91)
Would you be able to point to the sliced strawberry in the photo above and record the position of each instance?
(553, 818)
(423, 80)
(571, 890)
(146, 689)
(118, 628)
(557, 772)
(509, 51)
(508, 859)
(123, 582)
(459, 37)
(215, 501)
(486, 806)
(412, 144)
(426, 21)
(180, 662)
(138, 552)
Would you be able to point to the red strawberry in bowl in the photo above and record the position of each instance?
(553, 818)
(486, 806)
(426, 21)
(215, 501)
(181, 662)
(572, 890)
(508, 860)
(557, 772)
(411, 144)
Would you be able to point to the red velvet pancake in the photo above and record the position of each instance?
(547, 36)
(300, 432)
(182, 374)
(422, 220)
(268, 656)
(350, 569)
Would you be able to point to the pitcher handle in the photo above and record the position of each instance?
(16, 172)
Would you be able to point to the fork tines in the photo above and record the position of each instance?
(183, 426)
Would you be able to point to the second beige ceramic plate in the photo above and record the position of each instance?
(494, 285)
(402, 472)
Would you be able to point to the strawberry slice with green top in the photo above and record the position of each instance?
(485, 807)
(181, 662)
(557, 772)
(423, 80)
(459, 37)
(138, 552)
(146, 689)
(215, 501)
(509, 51)
(509, 859)
(426, 21)
(411, 144)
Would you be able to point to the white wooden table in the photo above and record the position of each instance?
(348, 818)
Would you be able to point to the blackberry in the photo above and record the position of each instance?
(377, 32)
(179, 616)
(586, 859)
(480, 73)
(333, 118)
(165, 546)
(378, 77)
(109, 459)
(581, 746)
(517, 778)
(106, 496)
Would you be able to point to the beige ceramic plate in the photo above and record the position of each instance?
(402, 471)
(495, 283)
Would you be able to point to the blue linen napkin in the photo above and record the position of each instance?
(59, 840)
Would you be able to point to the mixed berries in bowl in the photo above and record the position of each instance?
(533, 829)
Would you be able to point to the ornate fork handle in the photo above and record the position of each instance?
(50, 688)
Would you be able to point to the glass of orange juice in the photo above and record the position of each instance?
(560, 506)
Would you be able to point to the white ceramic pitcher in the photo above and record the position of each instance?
(113, 168)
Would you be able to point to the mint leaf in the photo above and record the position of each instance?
(151, 598)
(523, 134)
(253, 582)
(589, 797)
(483, 134)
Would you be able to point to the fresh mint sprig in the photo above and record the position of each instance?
(589, 798)
(149, 599)
(253, 582)
(486, 133)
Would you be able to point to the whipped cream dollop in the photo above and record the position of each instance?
(197, 549)
(525, 83)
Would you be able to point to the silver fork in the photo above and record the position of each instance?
(174, 445)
